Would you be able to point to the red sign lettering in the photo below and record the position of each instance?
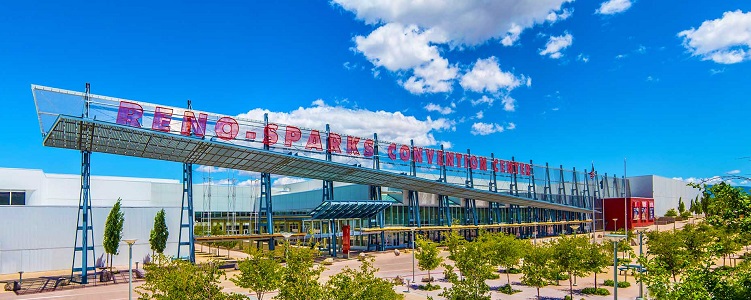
(392, 151)
(226, 128)
(314, 141)
(190, 124)
(291, 135)
(335, 142)
(352, 142)
(130, 114)
(429, 154)
(404, 152)
(270, 137)
(368, 148)
(162, 118)
(417, 154)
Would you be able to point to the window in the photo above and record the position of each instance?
(12, 198)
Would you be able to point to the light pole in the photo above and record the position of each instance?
(534, 236)
(412, 230)
(615, 238)
(615, 224)
(641, 268)
(130, 243)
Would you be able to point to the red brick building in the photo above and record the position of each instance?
(640, 212)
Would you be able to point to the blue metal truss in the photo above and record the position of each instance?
(413, 198)
(84, 223)
(328, 195)
(379, 219)
(444, 206)
(265, 209)
(187, 217)
(495, 208)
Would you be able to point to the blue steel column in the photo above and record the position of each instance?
(265, 205)
(84, 217)
(375, 194)
(586, 196)
(470, 206)
(186, 215)
(495, 207)
(413, 198)
(328, 194)
(444, 207)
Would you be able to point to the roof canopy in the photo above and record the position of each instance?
(332, 209)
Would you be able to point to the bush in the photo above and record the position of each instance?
(686, 214)
(621, 284)
(508, 290)
(671, 213)
(597, 291)
(568, 297)
(429, 287)
(495, 276)
(513, 271)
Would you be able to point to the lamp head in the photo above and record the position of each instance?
(130, 242)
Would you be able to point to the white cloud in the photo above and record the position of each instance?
(479, 115)
(621, 56)
(483, 99)
(468, 22)
(726, 40)
(437, 108)
(390, 126)
(287, 180)
(509, 104)
(650, 78)
(510, 126)
(481, 128)
(250, 182)
(486, 76)
(553, 16)
(708, 180)
(582, 57)
(446, 144)
(207, 169)
(716, 71)
(612, 7)
(411, 34)
(734, 172)
(556, 44)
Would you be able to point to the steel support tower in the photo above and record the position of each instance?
(444, 206)
(84, 224)
(413, 198)
(328, 194)
(265, 208)
(187, 217)
(470, 205)
(379, 219)
(495, 207)
(186, 214)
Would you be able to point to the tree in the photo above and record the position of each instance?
(300, 275)
(113, 231)
(671, 213)
(536, 267)
(692, 207)
(569, 254)
(668, 251)
(598, 256)
(259, 272)
(681, 205)
(179, 279)
(696, 240)
(428, 257)
(475, 268)
(362, 284)
(504, 250)
(159, 234)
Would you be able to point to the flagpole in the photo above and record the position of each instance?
(625, 200)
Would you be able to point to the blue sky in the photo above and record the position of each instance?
(661, 83)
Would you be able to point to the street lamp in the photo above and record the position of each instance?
(615, 224)
(574, 228)
(130, 243)
(286, 236)
(534, 236)
(412, 230)
(615, 238)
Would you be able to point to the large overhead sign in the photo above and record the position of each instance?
(230, 129)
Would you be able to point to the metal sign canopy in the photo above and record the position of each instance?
(96, 136)
(333, 209)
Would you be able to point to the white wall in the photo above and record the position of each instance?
(665, 191)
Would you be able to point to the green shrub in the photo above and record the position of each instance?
(495, 276)
(597, 291)
(514, 271)
(608, 282)
(671, 213)
(686, 214)
(623, 284)
(508, 290)
(429, 287)
(568, 297)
